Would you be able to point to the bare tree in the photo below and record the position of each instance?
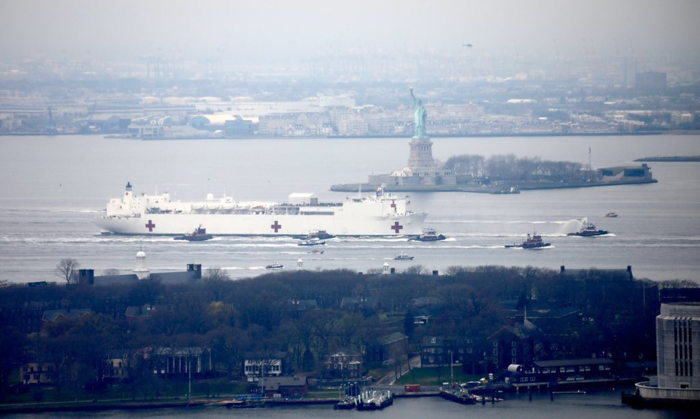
(66, 268)
(217, 274)
(416, 270)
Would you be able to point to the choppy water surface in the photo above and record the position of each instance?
(54, 187)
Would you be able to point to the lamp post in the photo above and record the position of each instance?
(189, 376)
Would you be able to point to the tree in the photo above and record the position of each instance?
(217, 274)
(12, 347)
(415, 270)
(66, 268)
(409, 324)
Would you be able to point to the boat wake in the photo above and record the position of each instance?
(476, 221)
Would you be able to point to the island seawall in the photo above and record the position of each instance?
(473, 188)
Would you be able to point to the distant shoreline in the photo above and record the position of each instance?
(333, 137)
(669, 159)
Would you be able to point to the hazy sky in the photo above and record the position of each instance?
(275, 28)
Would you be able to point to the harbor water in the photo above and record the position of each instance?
(591, 405)
(53, 188)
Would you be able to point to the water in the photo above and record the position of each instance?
(580, 406)
(54, 187)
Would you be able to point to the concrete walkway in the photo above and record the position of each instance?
(390, 378)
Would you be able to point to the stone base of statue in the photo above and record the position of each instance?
(420, 159)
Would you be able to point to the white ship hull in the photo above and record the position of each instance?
(261, 225)
(381, 215)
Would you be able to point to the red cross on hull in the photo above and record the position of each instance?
(150, 226)
(276, 226)
(396, 227)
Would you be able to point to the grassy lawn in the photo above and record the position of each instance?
(155, 389)
(434, 376)
(323, 394)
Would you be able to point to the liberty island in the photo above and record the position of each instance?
(424, 174)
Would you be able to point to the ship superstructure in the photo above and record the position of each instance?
(377, 215)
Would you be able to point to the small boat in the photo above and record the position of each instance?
(347, 403)
(504, 190)
(429, 235)
(199, 234)
(588, 230)
(403, 256)
(274, 266)
(244, 403)
(312, 242)
(611, 215)
(531, 242)
(316, 252)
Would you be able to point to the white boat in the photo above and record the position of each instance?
(377, 215)
(312, 242)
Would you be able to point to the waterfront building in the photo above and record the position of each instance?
(141, 272)
(37, 372)
(562, 372)
(260, 366)
(387, 349)
(288, 386)
(678, 356)
(180, 361)
(343, 365)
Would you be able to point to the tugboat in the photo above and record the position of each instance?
(198, 235)
(274, 266)
(403, 256)
(458, 395)
(429, 235)
(588, 230)
(531, 242)
(320, 234)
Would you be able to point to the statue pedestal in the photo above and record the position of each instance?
(421, 161)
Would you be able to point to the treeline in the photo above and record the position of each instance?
(309, 315)
(511, 168)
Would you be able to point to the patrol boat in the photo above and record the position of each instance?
(588, 230)
(379, 214)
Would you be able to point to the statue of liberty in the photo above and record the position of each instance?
(419, 116)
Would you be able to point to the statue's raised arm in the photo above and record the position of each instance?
(419, 117)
